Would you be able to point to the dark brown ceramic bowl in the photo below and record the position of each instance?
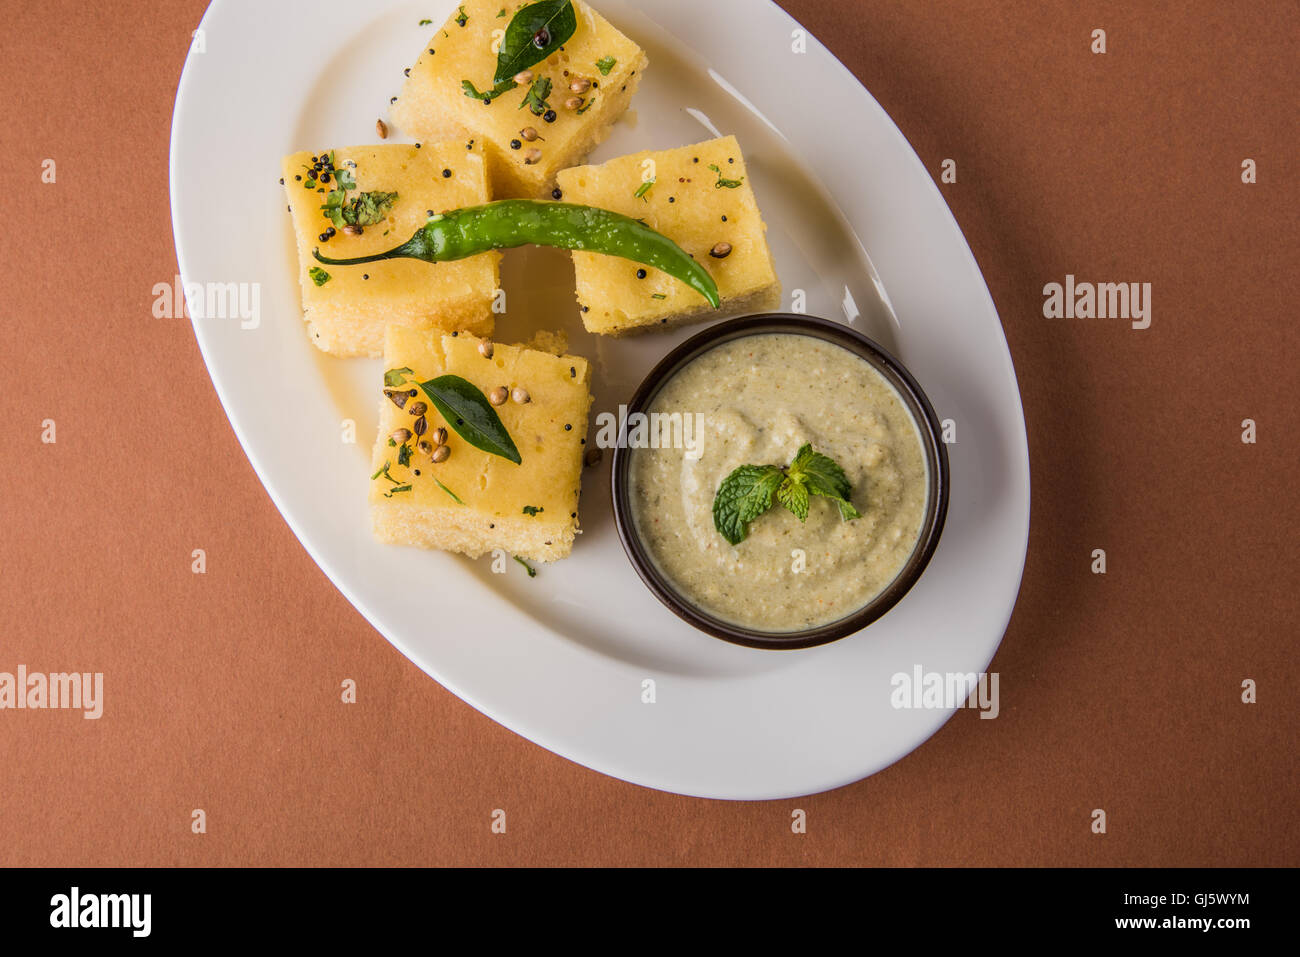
(936, 466)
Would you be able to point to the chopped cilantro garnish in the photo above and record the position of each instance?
(487, 96)
(365, 209)
(454, 496)
(605, 64)
(728, 183)
(535, 100)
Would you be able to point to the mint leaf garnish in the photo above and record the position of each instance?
(794, 496)
(744, 495)
(824, 477)
(749, 491)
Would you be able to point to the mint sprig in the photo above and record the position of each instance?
(744, 495)
(824, 477)
(750, 490)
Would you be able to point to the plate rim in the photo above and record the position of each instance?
(565, 748)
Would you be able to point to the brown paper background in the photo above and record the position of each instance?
(1119, 691)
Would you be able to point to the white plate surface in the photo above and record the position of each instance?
(855, 222)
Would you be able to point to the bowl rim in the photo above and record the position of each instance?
(928, 426)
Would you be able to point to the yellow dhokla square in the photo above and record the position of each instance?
(474, 501)
(348, 307)
(434, 104)
(700, 198)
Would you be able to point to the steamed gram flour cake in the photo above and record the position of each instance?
(700, 197)
(379, 196)
(463, 499)
(552, 118)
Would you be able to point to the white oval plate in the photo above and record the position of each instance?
(562, 658)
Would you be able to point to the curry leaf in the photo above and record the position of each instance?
(533, 34)
(470, 415)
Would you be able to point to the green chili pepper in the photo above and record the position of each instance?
(515, 222)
